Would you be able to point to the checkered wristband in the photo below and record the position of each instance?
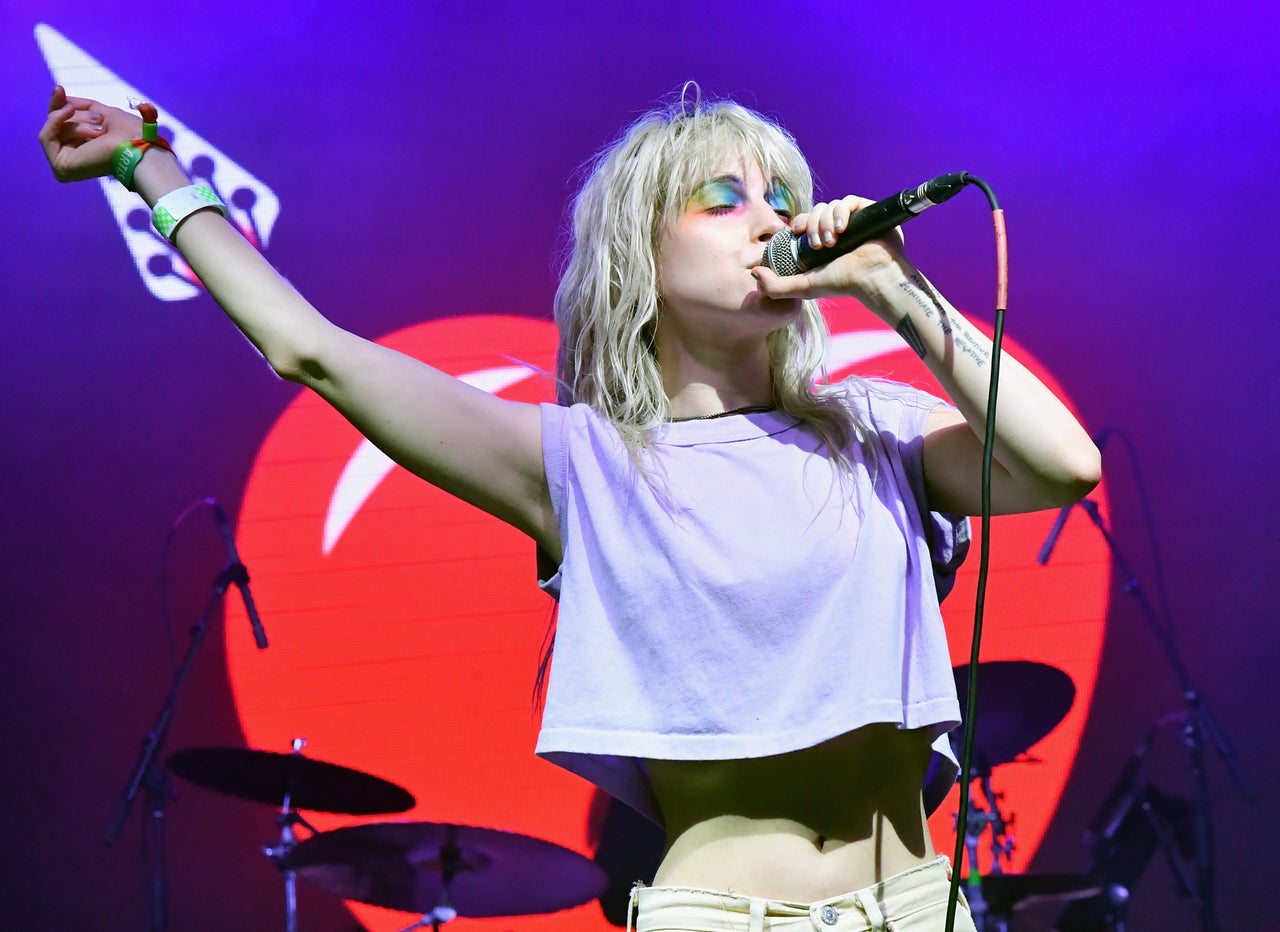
(177, 206)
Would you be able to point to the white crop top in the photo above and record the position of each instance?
(747, 601)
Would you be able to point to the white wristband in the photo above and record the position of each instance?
(178, 205)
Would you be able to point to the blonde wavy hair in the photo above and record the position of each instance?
(607, 305)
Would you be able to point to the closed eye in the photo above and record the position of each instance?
(781, 199)
(719, 196)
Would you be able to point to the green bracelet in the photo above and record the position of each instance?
(125, 162)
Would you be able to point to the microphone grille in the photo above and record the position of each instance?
(780, 254)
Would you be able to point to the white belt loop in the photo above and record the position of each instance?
(756, 923)
(869, 906)
(631, 903)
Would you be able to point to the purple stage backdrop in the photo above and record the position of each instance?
(407, 166)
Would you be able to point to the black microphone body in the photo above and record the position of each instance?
(788, 254)
(1101, 828)
(239, 574)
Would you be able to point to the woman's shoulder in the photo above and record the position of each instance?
(875, 391)
(887, 406)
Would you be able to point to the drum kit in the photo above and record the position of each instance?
(439, 871)
(1022, 702)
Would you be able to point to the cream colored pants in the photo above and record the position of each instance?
(912, 901)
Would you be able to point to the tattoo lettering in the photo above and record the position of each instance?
(912, 287)
(960, 338)
(965, 342)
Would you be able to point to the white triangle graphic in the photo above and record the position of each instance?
(252, 206)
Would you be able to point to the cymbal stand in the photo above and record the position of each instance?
(436, 918)
(451, 863)
(279, 853)
(147, 772)
(1002, 845)
(975, 824)
(1200, 725)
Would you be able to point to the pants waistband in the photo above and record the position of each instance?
(871, 909)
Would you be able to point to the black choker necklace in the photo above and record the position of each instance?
(746, 409)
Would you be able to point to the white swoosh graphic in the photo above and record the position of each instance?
(368, 465)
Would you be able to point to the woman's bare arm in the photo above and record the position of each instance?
(483, 449)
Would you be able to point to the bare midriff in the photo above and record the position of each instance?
(800, 826)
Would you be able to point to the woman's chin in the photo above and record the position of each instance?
(773, 306)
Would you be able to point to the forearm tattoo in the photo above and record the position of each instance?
(922, 293)
(907, 330)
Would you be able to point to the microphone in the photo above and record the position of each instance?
(1054, 532)
(1101, 828)
(237, 573)
(788, 254)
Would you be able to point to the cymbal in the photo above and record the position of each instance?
(268, 777)
(1005, 893)
(404, 865)
(1019, 703)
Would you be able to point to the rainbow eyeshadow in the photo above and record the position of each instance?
(718, 193)
(780, 198)
(728, 193)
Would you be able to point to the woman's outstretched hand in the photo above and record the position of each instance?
(80, 135)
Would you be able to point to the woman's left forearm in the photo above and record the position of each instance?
(1038, 441)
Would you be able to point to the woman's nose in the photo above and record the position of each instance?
(769, 224)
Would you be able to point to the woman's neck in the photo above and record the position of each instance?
(712, 383)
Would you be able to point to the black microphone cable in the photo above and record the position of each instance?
(988, 444)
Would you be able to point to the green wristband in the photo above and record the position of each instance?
(125, 162)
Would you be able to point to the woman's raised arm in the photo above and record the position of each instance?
(1043, 458)
(481, 448)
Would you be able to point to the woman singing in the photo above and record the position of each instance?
(748, 560)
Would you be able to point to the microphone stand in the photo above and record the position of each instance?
(1199, 726)
(148, 772)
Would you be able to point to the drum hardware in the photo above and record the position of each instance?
(147, 773)
(442, 870)
(294, 782)
(311, 784)
(436, 918)
(981, 820)
(1146, 819)
(1135, 820)
(994, 897)
(1007, 893)
(1023, 701)
(1199, 728)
